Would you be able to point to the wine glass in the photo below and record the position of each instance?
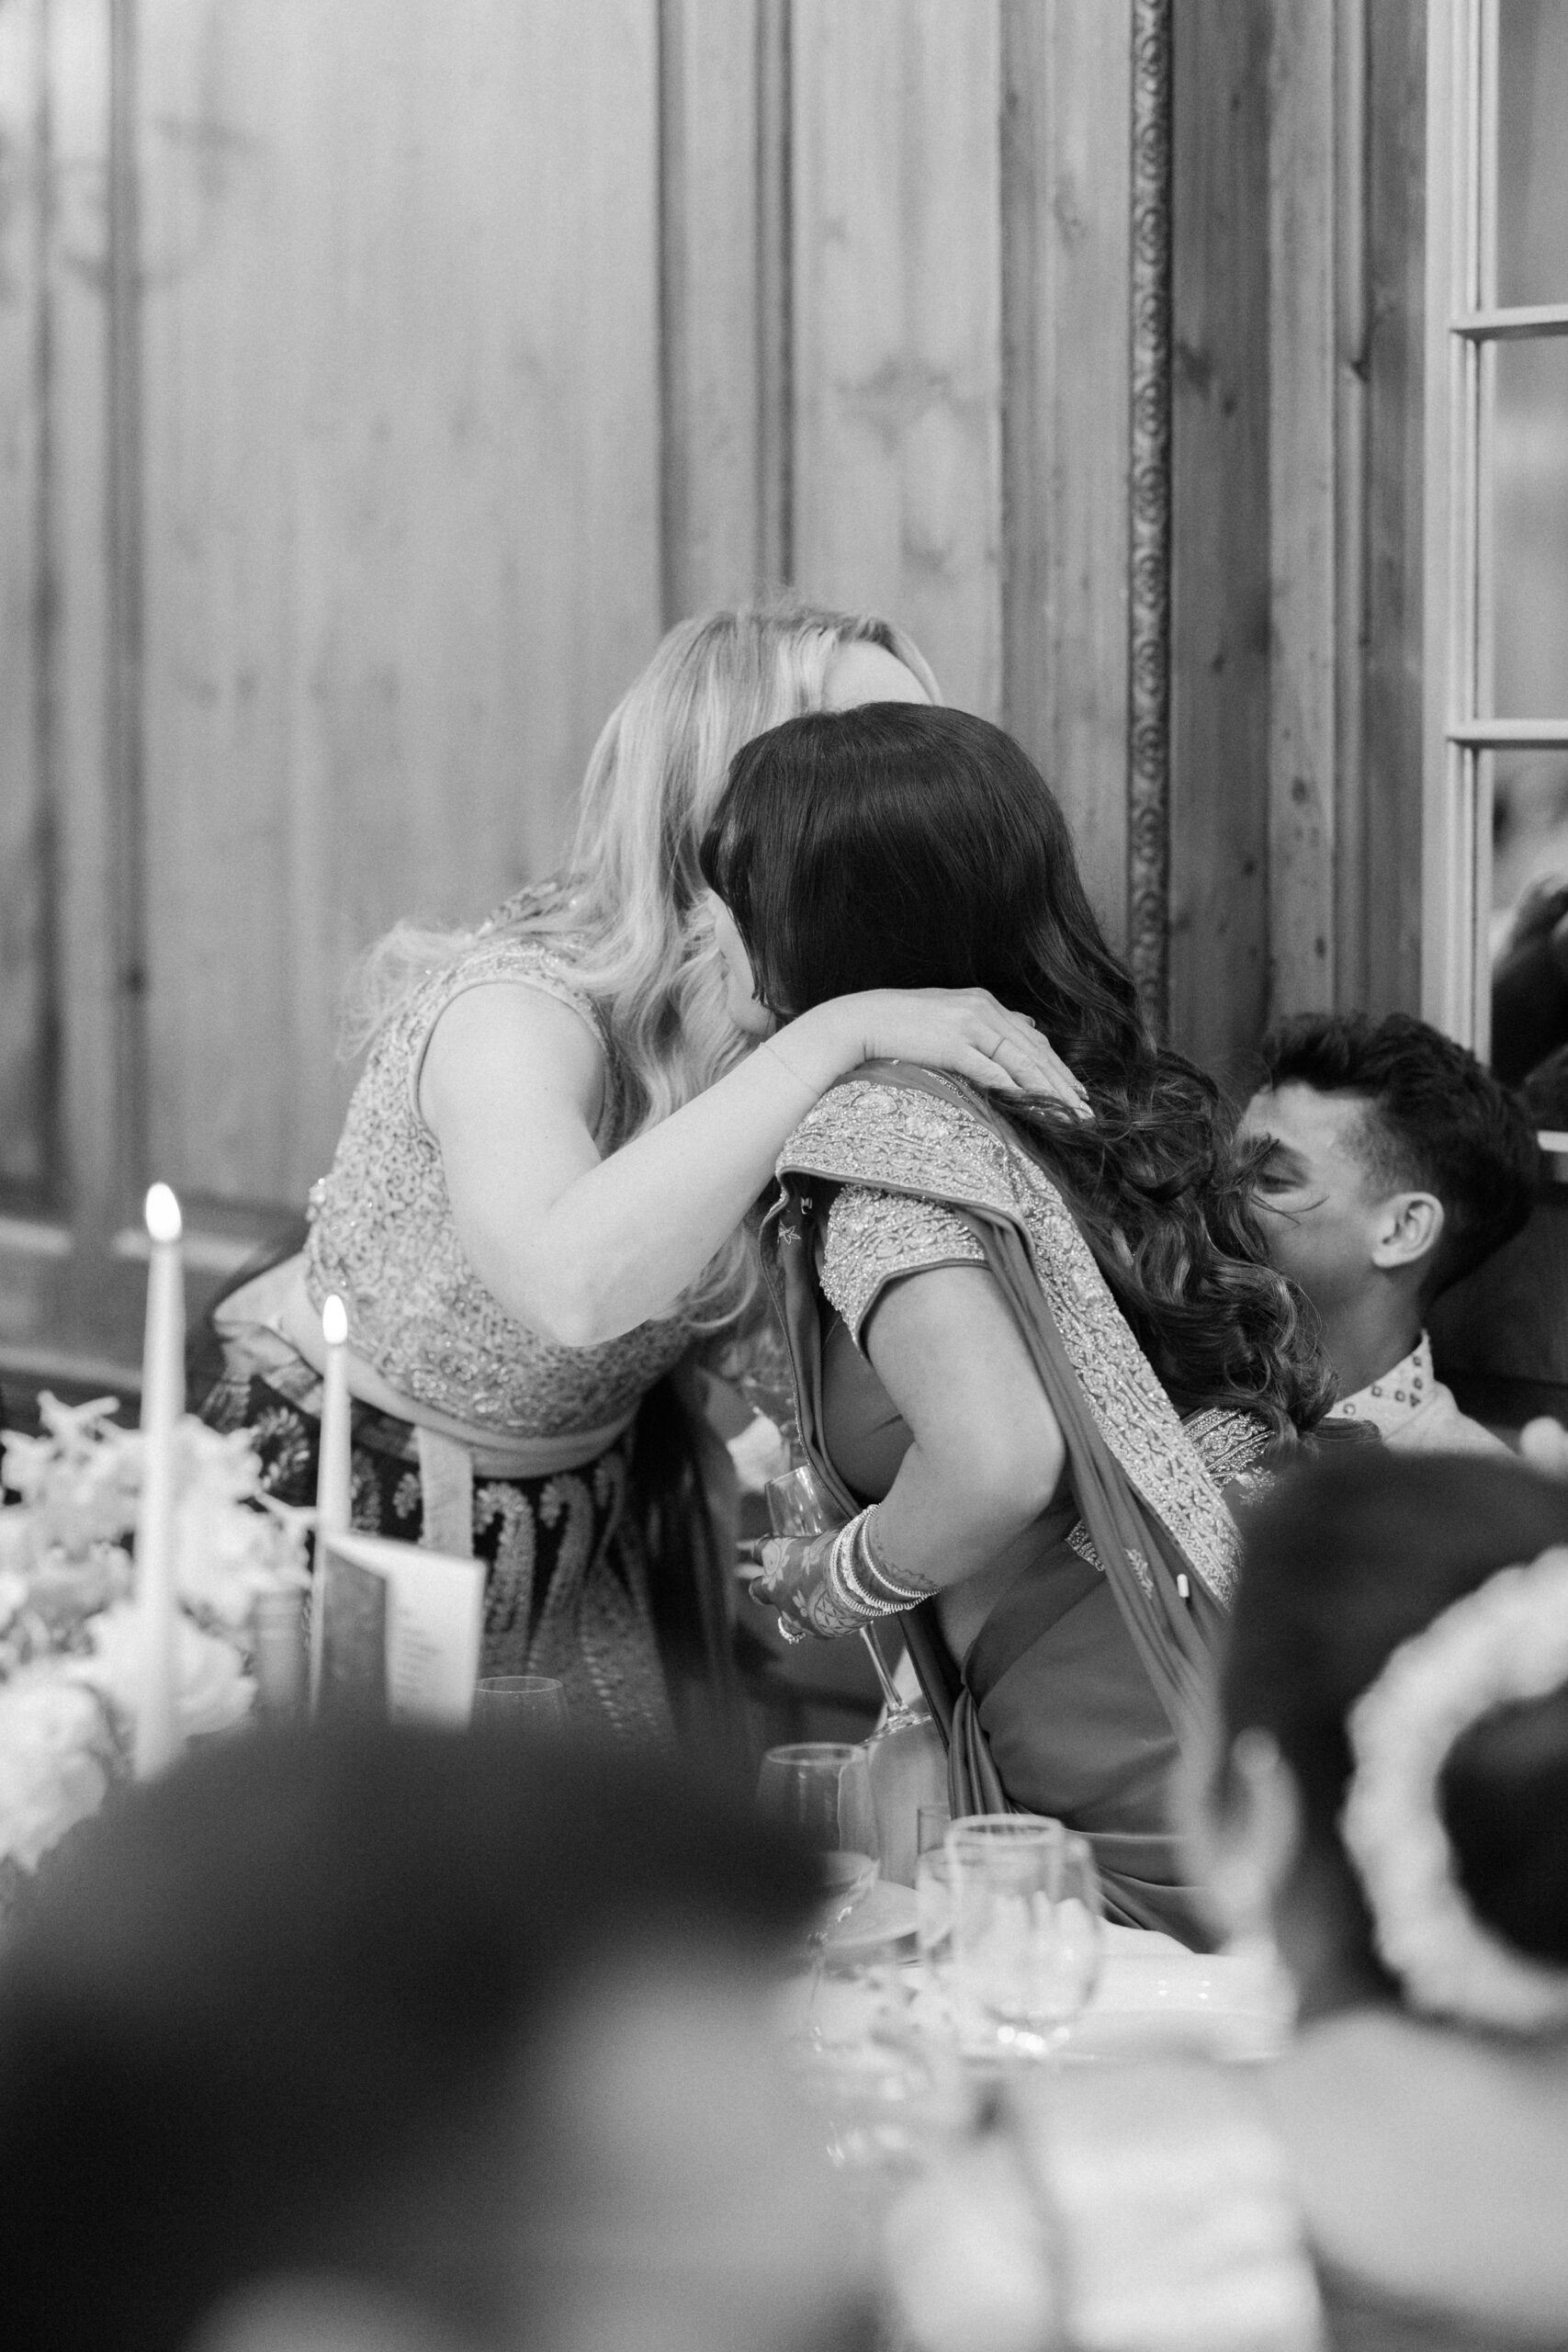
(520, 1702)
(1027, 1931)
(798, 1504)
(819, 1792)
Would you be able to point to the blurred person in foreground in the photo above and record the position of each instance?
(1389, 1796)
(1391, 1165)
(393, 2039)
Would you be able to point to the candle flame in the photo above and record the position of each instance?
(334, 1321)
(163, 1213)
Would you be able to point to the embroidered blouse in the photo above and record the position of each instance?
(874, 1239)
(382, 1235)
(886, 1142)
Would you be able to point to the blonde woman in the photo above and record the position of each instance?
(535, 1209)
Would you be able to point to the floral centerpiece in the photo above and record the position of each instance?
(70, 1634)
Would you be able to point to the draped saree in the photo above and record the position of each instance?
(1089, 1674)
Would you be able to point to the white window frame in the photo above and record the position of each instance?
(1464, 327)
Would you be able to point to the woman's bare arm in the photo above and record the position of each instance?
(987, 1452)
(584, 1249)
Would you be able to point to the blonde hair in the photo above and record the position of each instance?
(631, 894)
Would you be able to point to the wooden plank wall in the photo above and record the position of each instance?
(377, 381)
(1066, 217)
(25, 959)
(1219, 620)
(1295, 789)
(897, 323)
(401, 476)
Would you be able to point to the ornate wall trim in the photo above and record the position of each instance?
(1148, 642)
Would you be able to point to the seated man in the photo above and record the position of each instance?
(1394, 1165)
(405, 2041)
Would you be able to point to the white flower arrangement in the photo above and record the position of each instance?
(1505, 1642)
(70, 1656)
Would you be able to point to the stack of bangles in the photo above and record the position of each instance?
(858, 1586)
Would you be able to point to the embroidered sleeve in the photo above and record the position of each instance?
(875, 1237)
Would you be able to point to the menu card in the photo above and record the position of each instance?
(400, 1630)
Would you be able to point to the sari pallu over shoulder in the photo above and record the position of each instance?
(1157, 1523)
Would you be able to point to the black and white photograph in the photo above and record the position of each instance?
(783, 1175)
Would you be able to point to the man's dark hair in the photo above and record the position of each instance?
(268, 2016)
(1436, 1121)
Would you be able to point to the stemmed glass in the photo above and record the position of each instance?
(520, 1702)
(798, 1505)
(1027, 1932)
(818, 1791)
(905, 1754)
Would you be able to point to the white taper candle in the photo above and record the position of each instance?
(334, 1493)
(158, 1738)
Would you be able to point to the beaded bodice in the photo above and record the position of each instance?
(382, 1235)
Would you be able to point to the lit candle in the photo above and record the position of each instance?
(334, 1512)
(163, 1401)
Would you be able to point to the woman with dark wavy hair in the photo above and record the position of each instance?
(1036, 1359)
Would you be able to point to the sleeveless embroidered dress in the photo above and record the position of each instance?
(568, 1590)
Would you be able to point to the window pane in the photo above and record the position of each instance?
(1532, 151)
(1530, 476)
(1529, 922)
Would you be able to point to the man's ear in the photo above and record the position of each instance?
(1248, 1835)
(1409, 1228)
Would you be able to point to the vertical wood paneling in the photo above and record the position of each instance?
(1301, 508)
(775, 257)
(712, 332)
(1352, 334)
(1220, 550)
(1385, 909)
(438, 356)
(1066, 210)
(25, 961)
(402, 502)
(897, 303)
(78, 753)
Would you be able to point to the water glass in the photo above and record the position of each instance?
(932, 1823)
(933, 1910)
(519, 1702)
(819, 1792)
(1027, 1932)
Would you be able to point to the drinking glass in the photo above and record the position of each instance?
(819, 1792)
(519, 1702)
(1027, 1932)
(932, 1823)
(933, 1910)
(798, 1504)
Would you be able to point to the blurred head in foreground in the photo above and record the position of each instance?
(1392, 1790)
(392, 2037)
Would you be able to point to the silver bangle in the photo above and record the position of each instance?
(877, 1572)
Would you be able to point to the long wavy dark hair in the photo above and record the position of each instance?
(900, 846)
